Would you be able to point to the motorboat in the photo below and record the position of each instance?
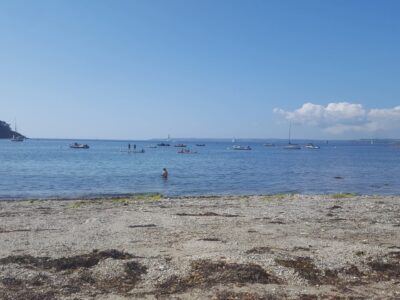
(180, 145)
(162, 144)
(311, 146)
(79, 146)
(237, 147)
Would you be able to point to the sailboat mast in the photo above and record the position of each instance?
(290, 128)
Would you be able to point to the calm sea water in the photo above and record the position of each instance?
(49, 168)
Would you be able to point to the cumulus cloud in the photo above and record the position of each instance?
(341, 117)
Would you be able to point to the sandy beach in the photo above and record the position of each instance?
(239, 247)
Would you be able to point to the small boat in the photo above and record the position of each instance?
(180, 145)
(292, 147)
(186, 151)
(200, 145)
(311, 146)
(151, 146)
(269, 145)
(163, 144)
(241, 147)
(79, 146)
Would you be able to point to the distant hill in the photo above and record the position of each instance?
(6, 132)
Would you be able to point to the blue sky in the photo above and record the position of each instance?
(145, 69)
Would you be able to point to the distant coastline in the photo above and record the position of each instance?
(214, 140)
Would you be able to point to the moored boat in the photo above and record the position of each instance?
(79, 146)
(292, 147)
(237, 147)
(17, 138)
(311, 146)
(186, 151)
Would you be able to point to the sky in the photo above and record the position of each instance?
(206, 69)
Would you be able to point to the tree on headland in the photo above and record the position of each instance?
(6, 132)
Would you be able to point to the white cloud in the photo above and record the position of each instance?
(341, 117)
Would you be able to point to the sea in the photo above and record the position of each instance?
(45, 168)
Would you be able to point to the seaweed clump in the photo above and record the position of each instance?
(230, 295)
(65, 263)
(388, 267)
(206, 273)
(76, 276)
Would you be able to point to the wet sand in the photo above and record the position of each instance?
(255, 247)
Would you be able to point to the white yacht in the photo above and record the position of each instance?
(311, 146)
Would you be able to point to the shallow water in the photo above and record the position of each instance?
(49, 168)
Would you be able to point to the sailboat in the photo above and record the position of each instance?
(16, 137)
(291, 146)
(162, 144)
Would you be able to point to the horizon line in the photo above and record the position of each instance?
(215, 139)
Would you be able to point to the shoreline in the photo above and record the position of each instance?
(224, 247)
(337, 195)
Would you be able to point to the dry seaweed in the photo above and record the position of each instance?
(142, 226)
(299, 248)
(27, 294)
(65, 263)
(276, 222)
(210, 240)
(133, 271)
(9, 281)
(335, 207)
(304, 266)
(385, 270)
(85, 282)
(206, 214)
(206, 273)
(230, 295)
(259, 250)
